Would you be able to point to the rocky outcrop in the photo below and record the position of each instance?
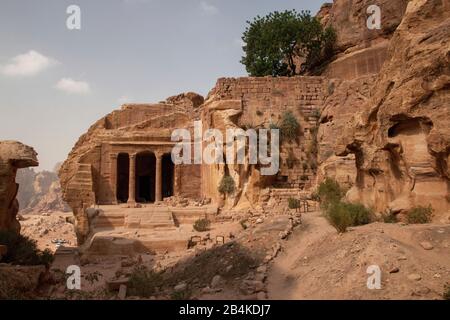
(345, 98)
(40, 192)
(13, 156)
(400, 137)
(359, 50)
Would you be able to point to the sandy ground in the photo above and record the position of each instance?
(317, 263)
(48, 228)
(314, 261)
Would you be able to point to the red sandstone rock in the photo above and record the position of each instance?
(401, 140)
(360, 51)
(13, 155)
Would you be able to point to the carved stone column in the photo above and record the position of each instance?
(132, 180)
(158, 177)
(113, 176)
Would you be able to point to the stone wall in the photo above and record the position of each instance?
(256, 103)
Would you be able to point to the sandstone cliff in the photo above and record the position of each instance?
(39, 192)
(400, 134)
(13, 155)
(360, 51)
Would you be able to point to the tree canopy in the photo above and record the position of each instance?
(274, 43)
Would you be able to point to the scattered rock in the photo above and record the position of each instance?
(114, 284)
(262, 269)
(394, 270)
(415, 277)
(216, 281)
(419, 291)
(427, 245)
(261, 295)
(180, 287)
(122, 292)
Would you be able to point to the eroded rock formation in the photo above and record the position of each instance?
(401, 137)
(39, 192)
(359, 50)
(13, 155)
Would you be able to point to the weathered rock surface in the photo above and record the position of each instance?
(360, 51)
(401, 137)
(346, 97)
(13, 155)
(39, 192)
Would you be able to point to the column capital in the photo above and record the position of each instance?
(159, 154)
(113, 155)
(133, 155)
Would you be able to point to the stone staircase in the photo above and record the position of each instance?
(150, 217)
(113, 217)
(154, 217)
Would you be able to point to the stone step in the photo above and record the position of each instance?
(109, 220)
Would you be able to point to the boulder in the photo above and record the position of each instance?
(13, 156)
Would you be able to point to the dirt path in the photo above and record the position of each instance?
(280, 278)
(318, 263)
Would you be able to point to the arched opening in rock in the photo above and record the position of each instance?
(145, 177)
(410, 126)
(123, 174)
(167, 176)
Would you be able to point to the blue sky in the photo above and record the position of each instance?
(56, 82)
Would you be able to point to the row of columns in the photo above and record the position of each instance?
(132, 177)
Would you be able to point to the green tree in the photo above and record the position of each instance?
(273, 42)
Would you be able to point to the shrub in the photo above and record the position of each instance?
(227, 185)
(390, 218)
(315, 196)
(293, 203)
(144, 282)
(446, 294)
(23, 250)
(289, 126)
(342, 215)
(202, 225)
(329, 192)
(420, 215)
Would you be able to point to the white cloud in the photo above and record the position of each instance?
(71, 86)
(27, 64)
(208, 8)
